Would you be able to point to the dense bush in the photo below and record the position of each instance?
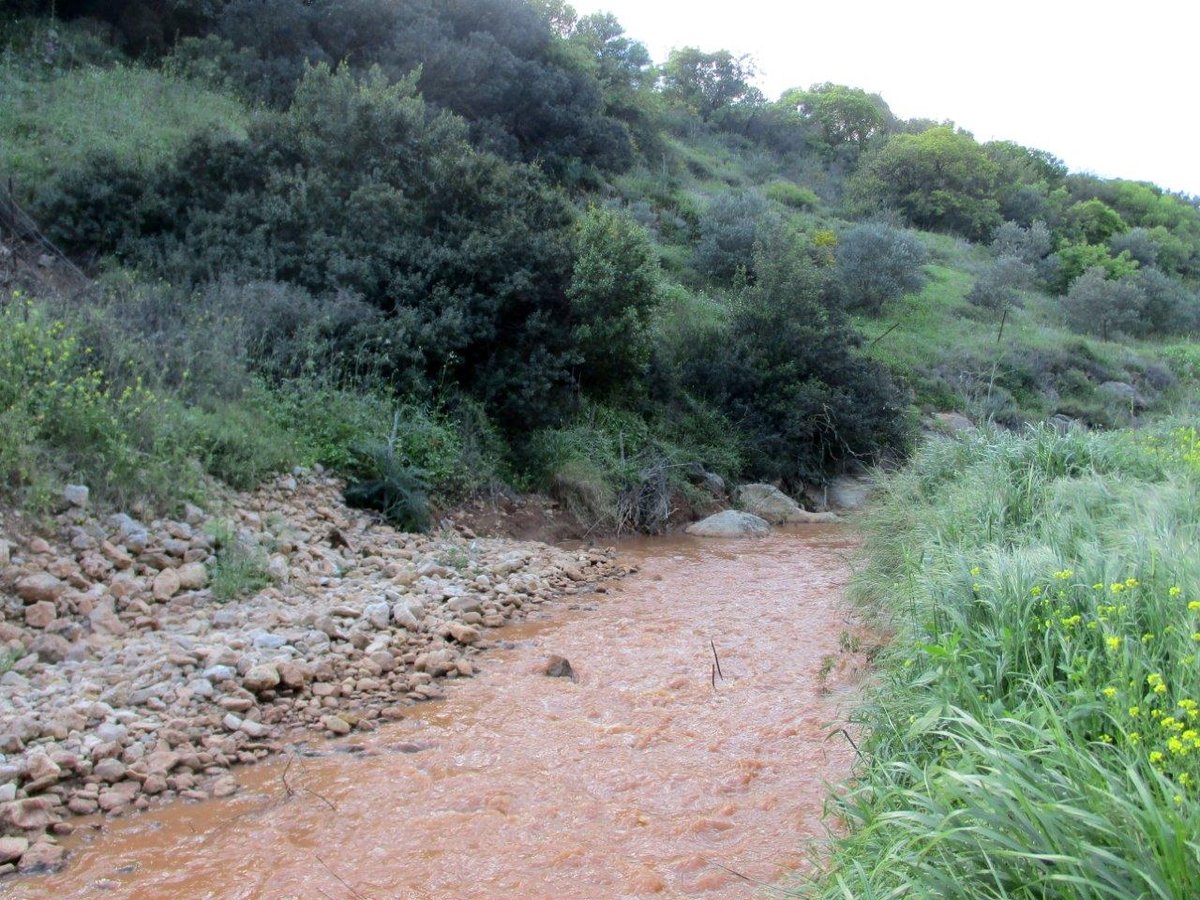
(876, 264)
(467, 256)
(786, 371)
(735, 220)
(1030, 245)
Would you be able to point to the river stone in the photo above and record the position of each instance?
(41, 587)
(336, 724)
(192, 576)
(166, 584)
(42, 857)
(261, 678)
(378, 614)
(41, 614)
(12, 848)
(559, 667)
(464, 634)
(730, 523)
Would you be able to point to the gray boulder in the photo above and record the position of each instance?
(777, 508)
(730, 523)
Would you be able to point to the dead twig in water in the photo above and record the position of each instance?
(340, 881)
(716, 659)
(283, 777)
(745, 878)
(714, 678)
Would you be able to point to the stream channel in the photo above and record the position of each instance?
(648, 774)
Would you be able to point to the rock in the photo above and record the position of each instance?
(253, 729)
(714, 484)
(192, 576)
(775, 507)
(953, 423)
(41, 857)
(730, 523)
(12, 848)
(41, 771)
(49, 648)
(76, 494)
(40, 588)
(30, 814)
(559, 667)
(261, 678)
(110, 770)
(1124, 393)
(293, 675)
(378, 614)
(225, 786)
(103, 619)
(336, 724)
(848, 492)
(41, 614)
(166, 585)
(464, 634)
(5, 553)
(161, 762)
(402, 615)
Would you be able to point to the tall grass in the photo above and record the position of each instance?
(1036, 730)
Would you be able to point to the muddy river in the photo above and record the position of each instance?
(649, 774)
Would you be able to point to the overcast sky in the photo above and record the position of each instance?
(1109, 88)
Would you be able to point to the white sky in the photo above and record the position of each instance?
(1109, 88)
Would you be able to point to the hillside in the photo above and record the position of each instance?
(585, 273)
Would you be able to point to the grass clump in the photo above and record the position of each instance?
(1036, 731)
(240, 569)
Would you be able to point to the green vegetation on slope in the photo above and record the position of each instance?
(1036, 731)
(503, 217)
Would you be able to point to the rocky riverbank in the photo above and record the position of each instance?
(128, 682)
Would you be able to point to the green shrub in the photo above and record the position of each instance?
(875, 264)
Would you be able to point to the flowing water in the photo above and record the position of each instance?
(648, 775)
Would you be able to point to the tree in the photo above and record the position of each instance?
(998, 286)
(844, 115)
(939, 179)
(707, 82)
(1099, 305)
(614, 292)
(1094, 222)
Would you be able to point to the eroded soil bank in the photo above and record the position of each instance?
(637, 778)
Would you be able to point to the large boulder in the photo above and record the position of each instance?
(848, 492)
(776, 507)
(730, 523)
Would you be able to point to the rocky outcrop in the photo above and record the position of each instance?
(730, 524)
(124, 682)
(777, 508)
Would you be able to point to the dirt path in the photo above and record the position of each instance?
(637, 778)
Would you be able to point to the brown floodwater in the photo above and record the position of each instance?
(640, 778)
